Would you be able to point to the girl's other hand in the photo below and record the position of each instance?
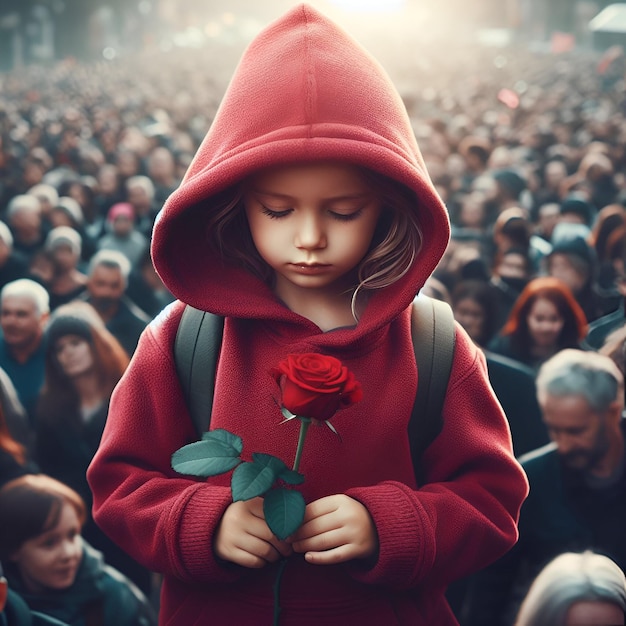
(244, 538)
(336, 529)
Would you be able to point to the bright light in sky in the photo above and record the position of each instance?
(369, 6)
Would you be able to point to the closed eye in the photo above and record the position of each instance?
(346, 217)
(275, 215)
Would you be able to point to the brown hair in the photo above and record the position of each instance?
(31, 505)
(395, 244)
(59, 397)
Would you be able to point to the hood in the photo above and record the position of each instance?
(303, 91)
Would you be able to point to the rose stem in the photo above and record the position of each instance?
(305, 422)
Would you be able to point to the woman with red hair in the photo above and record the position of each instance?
(544, 320)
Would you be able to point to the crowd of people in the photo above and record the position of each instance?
(528, 152)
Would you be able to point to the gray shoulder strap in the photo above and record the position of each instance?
(434, 335)
(196, 352)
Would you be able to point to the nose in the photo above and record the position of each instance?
(310, 233)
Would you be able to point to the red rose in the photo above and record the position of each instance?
(316, 386)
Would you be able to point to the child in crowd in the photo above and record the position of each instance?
(307, 219)
(49, 565)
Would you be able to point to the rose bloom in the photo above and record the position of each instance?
(316, 386)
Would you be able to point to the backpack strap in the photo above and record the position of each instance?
(434, 334)
(199, 339)
(196, 351)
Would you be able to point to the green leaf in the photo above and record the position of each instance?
(208, 457)
(284, 511)
(254, 479)
(224, 436)
(291, 477)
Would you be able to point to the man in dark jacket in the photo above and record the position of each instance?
(577, 483)
(106, 286)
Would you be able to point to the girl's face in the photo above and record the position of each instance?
(74, 355)
(544, 323)
(51, 560)
(471, 316)
(312, 224)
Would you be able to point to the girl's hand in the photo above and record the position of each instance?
(336, 529)
(243, 536)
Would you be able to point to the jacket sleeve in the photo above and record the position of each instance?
(162, 519)
(465, 516)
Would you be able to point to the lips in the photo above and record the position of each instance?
(310, 268)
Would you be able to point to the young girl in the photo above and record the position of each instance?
(308, 221)
(50, 566)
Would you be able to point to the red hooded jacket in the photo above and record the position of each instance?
(303, 91)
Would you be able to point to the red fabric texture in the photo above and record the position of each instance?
(337, 103)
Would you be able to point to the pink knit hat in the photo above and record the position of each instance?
(121, 209)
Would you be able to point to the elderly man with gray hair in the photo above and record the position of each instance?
(24, 312)
(577, 482)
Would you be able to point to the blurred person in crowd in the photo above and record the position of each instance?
(509, 187)
(573, 261)
(108, 192)
(595, 177)
(547, 218)
(575, 209)
(24, 311)
(469, 211)
(35, 165)
(512, 269)
(161, 167)
(122, 234)
(544, 320)
(146, 289)
(127, 161)
(48, 197)
(553, 173)
(12, 264)
(63, 243)
(41, 268)
(107, 281)
(475, 152)
(607, 238)
(25, 220)
(52, 568)
(83, 190)
(577, 483)
(84, 362)
(68, 212)
(513, 229)
(140, 192)
(603, 326)
(474, 306)
(575, 589)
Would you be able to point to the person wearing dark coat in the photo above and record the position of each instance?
(84, 362)
(108, 275)
(577, 495)
(514, 385)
